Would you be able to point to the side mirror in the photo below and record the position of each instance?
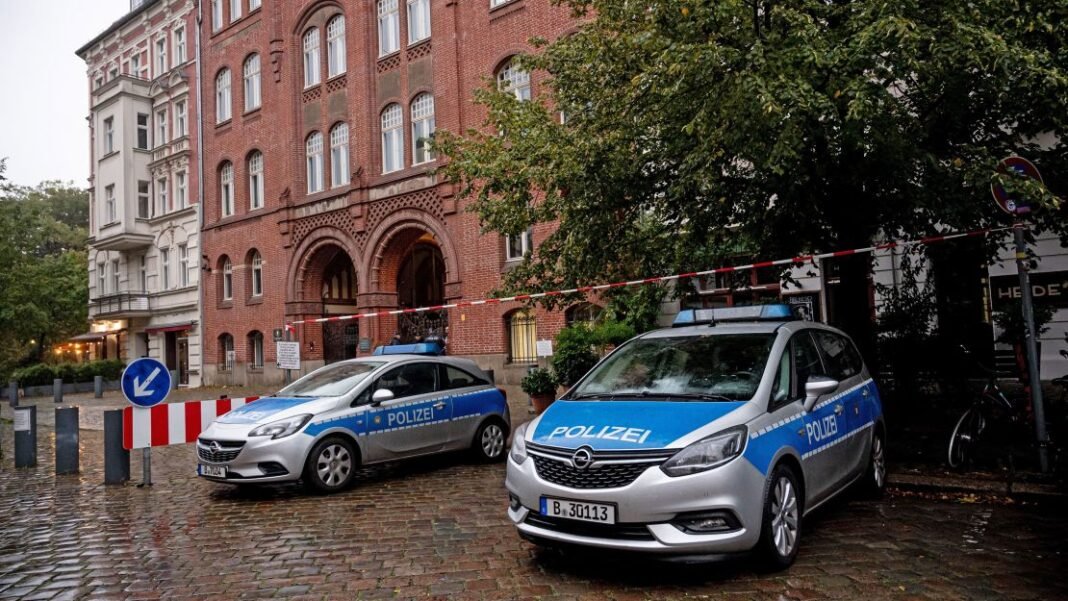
(381, 395)
(816, 387)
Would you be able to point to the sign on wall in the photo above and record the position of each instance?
(288, 355)
(1048, 288)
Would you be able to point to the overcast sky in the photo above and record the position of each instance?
(43, 132)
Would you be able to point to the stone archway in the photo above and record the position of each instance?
(324, 282)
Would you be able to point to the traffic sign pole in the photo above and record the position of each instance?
(288, 377)
(1031, 346)
(146, 382)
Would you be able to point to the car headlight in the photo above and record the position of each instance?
(282, 427)
(707, 453)
(519, 445)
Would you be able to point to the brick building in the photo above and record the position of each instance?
(144, 201)
(320, 197)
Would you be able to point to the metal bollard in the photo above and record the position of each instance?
(57, 390)
(98, 387)
(13, 393)
(66, 440)
(174, 379)
(116, 458)
(26, 436)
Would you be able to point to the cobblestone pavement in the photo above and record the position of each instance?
(437, 529)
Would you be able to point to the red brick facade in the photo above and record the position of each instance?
(375, 220)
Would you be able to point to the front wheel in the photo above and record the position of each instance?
(965, 437)
(488, 445)
(780, 532)
(874, 482)
(331, 465)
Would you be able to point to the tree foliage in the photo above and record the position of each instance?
(695, 128)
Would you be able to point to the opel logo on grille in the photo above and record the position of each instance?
(215, 446)
(582, 458)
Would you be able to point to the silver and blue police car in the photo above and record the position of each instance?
(712, 437)
(324, 426)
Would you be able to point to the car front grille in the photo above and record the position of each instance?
(596, 476)
(228, 450)
(577, 528)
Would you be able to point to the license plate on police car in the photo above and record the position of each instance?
(578, 510)
(215, 471)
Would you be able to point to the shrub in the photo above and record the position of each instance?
(612, 333)
(574, 355)
(34, 375)
(42, 374)
(539, 382)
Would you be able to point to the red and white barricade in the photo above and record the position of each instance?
(173, 423)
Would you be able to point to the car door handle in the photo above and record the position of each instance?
(439, 405)
(838, 409)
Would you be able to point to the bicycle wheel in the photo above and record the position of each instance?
(965, 437)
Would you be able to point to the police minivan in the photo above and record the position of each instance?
(712, 437)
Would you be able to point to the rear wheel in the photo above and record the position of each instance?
(330, 465)
(489, 442)
(780, 533)
(875, 475)
(965, 437)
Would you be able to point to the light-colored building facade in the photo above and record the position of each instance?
(144, 250)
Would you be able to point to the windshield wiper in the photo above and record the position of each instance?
(696, 396)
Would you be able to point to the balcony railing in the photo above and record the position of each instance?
(123, 304)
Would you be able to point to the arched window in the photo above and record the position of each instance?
(226, 188)
(422, 128)
(222, 96)
(314, 152)
(256, 274)
(255, 349)
(255, 180)
(418, 20)
(227, 279)
(226, 352)
(522, 328)
(335, 46)
(392, 138)
(388, 27)
(311, 57)
(339, 155)
(514, 80)
(582, 313)
(252, 82)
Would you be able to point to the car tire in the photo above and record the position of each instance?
(873, 485)
(331, 465)
(780, 529)
(490, 442)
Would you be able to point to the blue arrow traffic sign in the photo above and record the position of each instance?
(146, 382)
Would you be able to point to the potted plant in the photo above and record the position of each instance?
(541, 386)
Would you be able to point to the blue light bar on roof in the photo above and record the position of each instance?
(419, 348)
(777, 312)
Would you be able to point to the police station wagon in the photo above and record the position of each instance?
(324, 426)
(715, 436)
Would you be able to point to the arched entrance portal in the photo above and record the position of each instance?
(421, 283)
(331, 279)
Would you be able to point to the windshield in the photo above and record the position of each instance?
(332, 380)
(725, 367)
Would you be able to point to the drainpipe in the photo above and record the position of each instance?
(200, 186)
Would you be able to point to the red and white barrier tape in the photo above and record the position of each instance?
(173, 423)
(653, 280)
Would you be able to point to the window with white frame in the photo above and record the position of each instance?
(422, 128)
(161, 196)
(253, 5)
(161, 127)
(113, 73)
(183, 265)
(179, 46)
(392, 138)
(114, 275)
(335, 46)
(388, 27)
(109, 135)
(418, 20)
(161, 56)
(311, 58)
(227, 279)
(142, 131)
(516, 247)
(142, 271)
(101, 278)
(255, 180)
(181, 198)
(136, 67)
(165, 268)
(143, 205)
(222, 96)
(109, 204)
(226, 352)
(216, 15)
(257, 274)
(235, 10)
(339, 155)
(255, 350)
(514, 80)
(314, 152)
(494, 3)
(181, 119)
(226, 188)
(252, 82)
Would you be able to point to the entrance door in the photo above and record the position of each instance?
(340, 341)
(170, 350)
(183, 361)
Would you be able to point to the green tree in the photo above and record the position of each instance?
(693, 128)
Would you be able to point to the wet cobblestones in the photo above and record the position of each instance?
(436, 529)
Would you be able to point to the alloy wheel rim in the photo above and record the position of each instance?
(785, 521)
(878, 461)
(492, 440)
(334, 464)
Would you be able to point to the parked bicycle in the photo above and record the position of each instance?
(991, 410)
